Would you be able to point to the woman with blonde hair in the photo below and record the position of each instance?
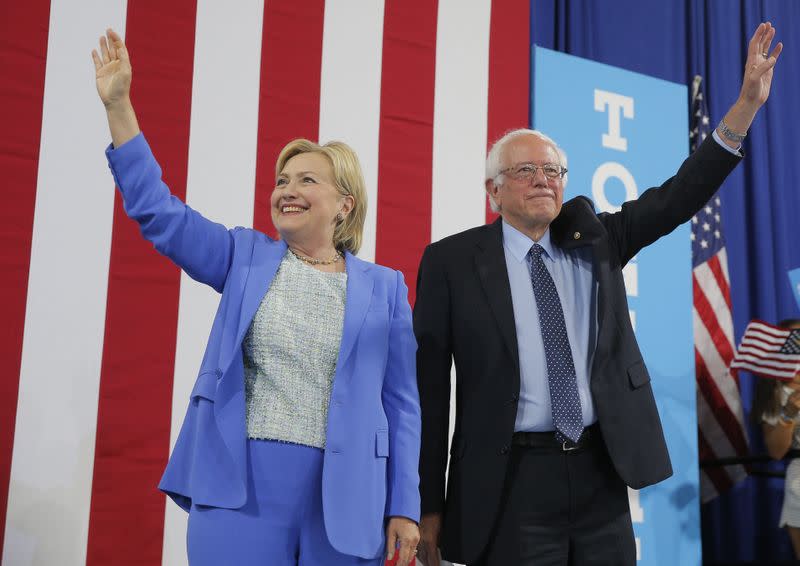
(300, 445)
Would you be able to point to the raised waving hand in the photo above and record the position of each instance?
(756, 84)
(113, 75)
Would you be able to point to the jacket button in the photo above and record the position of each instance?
(218, 372)
(504, 449)
(514, 398)
(576, 236)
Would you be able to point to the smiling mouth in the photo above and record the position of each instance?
(291, 209)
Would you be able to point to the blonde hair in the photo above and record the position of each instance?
(348, 180)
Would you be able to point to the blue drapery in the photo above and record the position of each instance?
(675, 40)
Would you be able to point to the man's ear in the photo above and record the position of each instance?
(491, 189)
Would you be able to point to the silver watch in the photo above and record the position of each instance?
(730, 134)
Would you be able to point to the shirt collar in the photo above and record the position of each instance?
(519, 244)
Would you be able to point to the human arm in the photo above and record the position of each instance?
(402, 536)
(659, 211)
(430, 529)
(401, 404)
(778, 437)
(756, 83)
(434, 360)
(202, 248)
(779, 430)
(113, 76)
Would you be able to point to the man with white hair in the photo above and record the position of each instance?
(555, 415)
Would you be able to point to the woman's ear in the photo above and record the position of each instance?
(348, 203)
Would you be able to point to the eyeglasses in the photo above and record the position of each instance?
(526, 171)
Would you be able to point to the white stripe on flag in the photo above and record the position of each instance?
(459, 117)
(767, 358)
(707, 488)
(220, 184)
(350, 91)
(766, 330)
(714, 433)
(717, 439)
(51, 471)
(710, 288)
(765, 370)
(723, 263)
(717, 368)
(764, 339)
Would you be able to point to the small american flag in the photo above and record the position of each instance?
(719, 407)
(769, 351)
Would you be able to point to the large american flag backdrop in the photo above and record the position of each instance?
(102, 337)
(720, 421)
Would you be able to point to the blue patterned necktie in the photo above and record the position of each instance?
(564, 399)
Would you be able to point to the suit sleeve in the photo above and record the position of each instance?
(658, 211)
(203, 249)
(434, 359)
(401, 404)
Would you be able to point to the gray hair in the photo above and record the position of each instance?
(494, 157)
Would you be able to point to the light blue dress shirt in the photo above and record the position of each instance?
(574, 279)
(577, 289)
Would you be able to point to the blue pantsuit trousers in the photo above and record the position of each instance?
(280, 525)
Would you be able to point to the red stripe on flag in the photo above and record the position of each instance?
(721, 480)
(509, 71)
(709, 319)
(716, 268)
(719, 406)
(23, 56)
(133, 423)
(291, 67)
(405, 164)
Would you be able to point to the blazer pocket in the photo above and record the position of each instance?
(206, 385)
(382, 444)
(638, 375)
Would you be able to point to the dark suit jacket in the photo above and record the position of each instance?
(463, 312)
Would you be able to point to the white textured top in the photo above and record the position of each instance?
(790, 512)
(772, 420)
(290, 353)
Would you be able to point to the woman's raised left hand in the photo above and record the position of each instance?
(402, 536)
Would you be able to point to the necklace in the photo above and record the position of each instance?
(315, 261)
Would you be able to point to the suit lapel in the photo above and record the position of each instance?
(578, 225)
(266, 260)
(359, 294)
(490, 263)
(229, 403)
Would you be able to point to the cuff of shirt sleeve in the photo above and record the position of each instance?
(726, 146)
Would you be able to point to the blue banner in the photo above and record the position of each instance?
(794, 279)
(624, 132)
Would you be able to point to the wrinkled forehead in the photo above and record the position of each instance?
(529, 149)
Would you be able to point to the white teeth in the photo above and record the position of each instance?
(292, 209)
